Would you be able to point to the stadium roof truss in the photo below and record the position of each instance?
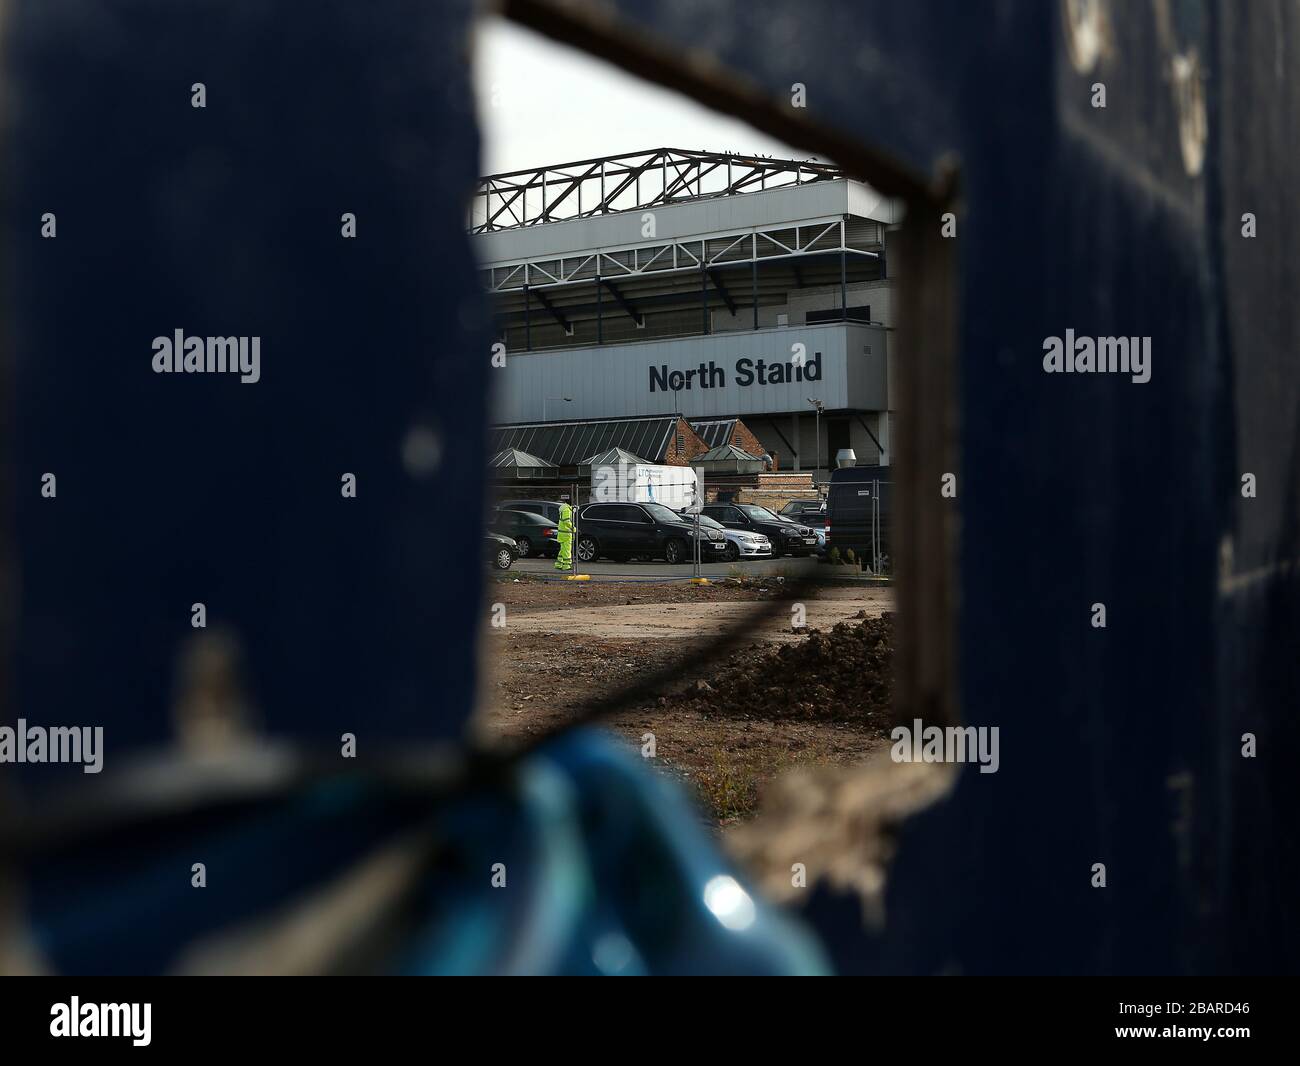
(818, 237)
(609, 184)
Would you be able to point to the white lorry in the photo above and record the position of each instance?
(677, 487)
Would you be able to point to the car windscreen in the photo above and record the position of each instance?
(660, 513)
(759, 514)
(705, 520)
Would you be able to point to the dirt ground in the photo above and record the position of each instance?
(727, 726)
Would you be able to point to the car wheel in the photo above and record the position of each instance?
(525, 547)
(732, 553)
(587, 549)
(674, 552)
(503, 558)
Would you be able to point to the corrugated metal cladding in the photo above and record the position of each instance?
(715, 433)
(570, 443)
(847, 371)
(863, 234)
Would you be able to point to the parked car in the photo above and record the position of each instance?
(809, 512)
(546, 508)
(532, 534)
(621, 530)
(812, 513)
(859, 496)
(787, 537)
(501, 551)
(741, 543)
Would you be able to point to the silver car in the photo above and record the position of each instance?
(741, 544)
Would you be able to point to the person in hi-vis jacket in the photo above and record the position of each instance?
(564, 561)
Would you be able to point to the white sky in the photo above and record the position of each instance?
(541, 103)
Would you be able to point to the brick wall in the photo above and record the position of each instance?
(773, 491)
(743, 437)
(692, 445)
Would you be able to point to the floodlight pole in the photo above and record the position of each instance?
(817, 433)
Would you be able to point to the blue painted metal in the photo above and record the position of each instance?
(226, 220)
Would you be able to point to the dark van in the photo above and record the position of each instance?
(859, 496)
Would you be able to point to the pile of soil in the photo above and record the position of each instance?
(844, 675)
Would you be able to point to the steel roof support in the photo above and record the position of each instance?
(554, 312)
(722, 291)
(623, 302)
(501, 193)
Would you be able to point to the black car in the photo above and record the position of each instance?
(805, 512)
(501, 551)
(787, 537)
(532, 534)
(621, 530)
(546, 508)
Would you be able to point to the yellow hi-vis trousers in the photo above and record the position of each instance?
(564, 561)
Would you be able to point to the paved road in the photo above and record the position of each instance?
(660, 571)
